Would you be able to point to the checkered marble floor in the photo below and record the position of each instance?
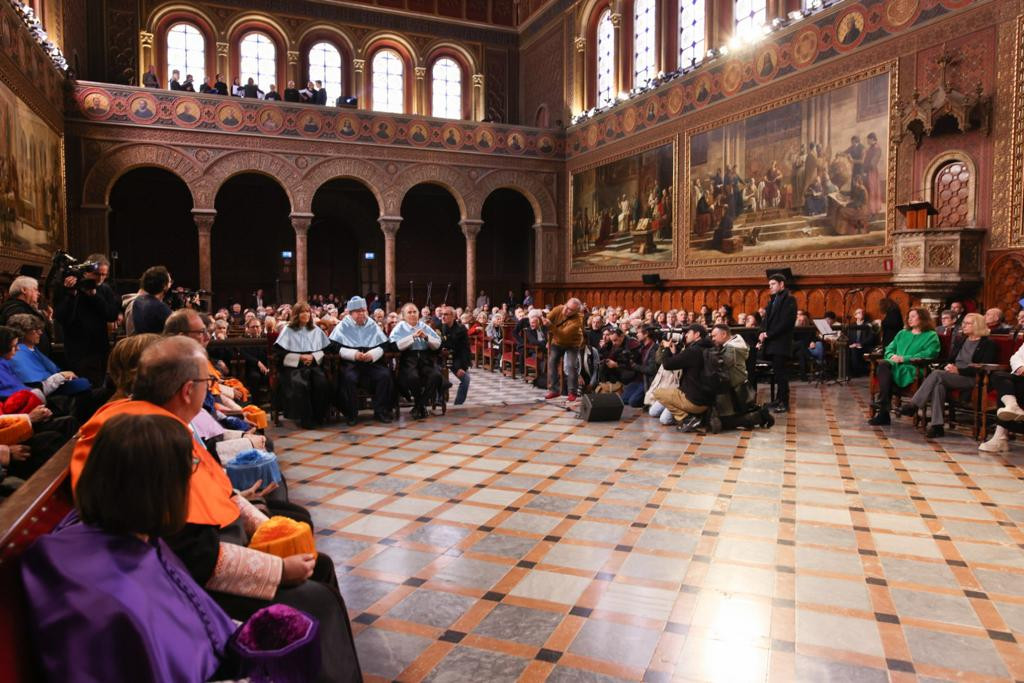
(505, 543)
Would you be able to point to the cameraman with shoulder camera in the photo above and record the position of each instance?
(84, 306)
(690, 401)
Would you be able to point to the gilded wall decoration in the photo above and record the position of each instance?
(910, 257)
(805, 175)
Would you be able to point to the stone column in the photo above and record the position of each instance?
(358, 66)
(471, 228)
(579, 99)
(146, 54)
(624, 62)
(93, 234)
(294, 73)
(419, 92)
(223, 66)
(389, 226)
(479, 107)
(300, 223)
(545, 252)
(204, 219)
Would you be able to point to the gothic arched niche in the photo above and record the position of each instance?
(951, 180)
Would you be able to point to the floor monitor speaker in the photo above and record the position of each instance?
(601, 408)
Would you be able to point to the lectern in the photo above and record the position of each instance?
(916, 214)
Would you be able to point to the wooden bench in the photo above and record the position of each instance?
(32, 510)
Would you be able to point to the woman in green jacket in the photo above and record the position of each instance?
(916, 341)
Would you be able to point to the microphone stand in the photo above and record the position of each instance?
(447, 291)
(430, 286)
(411, 297)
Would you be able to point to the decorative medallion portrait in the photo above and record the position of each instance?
(899, 12)
(516, 143)
(675, 99)
(629, 118)
(230, 116)
(349, 126)
(732, 77)
(546, 145)
(484, 139)
(622, 211)
(451, 136)
(187, 112)
(805, 47)
(850, 29)
(766, 63)
(418, 133)
(382, 130)
(308, 124)
(591, 135)
(142, 108)
(808, 175)
(702, 90)
(96, 104)
(270, 120)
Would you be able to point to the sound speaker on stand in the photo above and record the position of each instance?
(600, 408)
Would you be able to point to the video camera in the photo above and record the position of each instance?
(64, 265)
(180, 297)
(671, 334)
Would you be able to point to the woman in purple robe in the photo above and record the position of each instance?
(108, 600)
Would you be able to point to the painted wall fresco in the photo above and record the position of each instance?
(808, 175)
(622, 211)
(31, 181)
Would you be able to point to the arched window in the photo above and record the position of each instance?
(951, 195)
(258, 60)
(692, 31)
(186, 52)
(325, 66)
(605, 59)
(749, 15)
(644, 48)
(388, 82)
(446, 95)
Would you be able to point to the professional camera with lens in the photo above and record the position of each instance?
(64, 265)
(180, 297)
(670, 334)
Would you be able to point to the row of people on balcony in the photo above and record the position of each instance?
(313, 93)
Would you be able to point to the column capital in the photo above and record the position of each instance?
(222, 49)
(542, 227)
(358, 65)
(300, 222)
(146, 38)
(580, 43)
(420, 72)
(471, 227)
(616, 19)
(293, 57)
(204, 219)
(478, 80)
(389, 225)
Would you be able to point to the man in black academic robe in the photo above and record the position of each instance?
(777, 337)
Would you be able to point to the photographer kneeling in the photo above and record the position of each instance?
(691, 400)
(736, 401)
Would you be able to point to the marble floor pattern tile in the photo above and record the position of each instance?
(507, 541)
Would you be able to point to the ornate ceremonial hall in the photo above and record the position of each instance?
(472, 341)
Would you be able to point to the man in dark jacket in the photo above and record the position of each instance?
(148, 310)
(619, 357)
(455, 338)
(649, 356)
(691, 400)
(84, 308)
(24, 298)
(291, 93)
(777, 337)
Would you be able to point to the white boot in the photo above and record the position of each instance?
(667, 418)
(656, 409)
(1010, 411)
(999, 443)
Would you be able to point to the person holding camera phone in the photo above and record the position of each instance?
(84, 306)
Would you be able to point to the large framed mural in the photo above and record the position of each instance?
(623, 211)
(806, 178)
(32, 215)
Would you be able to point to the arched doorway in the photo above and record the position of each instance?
(430, 249)
(150, 224)
(346, 246)
(504, 247)
(252, 242)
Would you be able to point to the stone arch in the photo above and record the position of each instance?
(373, 41)
(367, 173)
(447, 177)
(123, 158)
(234, 163)
(524, 183)
(940, 161)
(156, 17)
(437, 49)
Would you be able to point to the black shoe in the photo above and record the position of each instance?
(382, 417)
(714, 424)
(908, 410)
(881, 418)
(780, 408)
(419, 413)
(935, 431)
(690, 424)
(350, 421)
(767, 421)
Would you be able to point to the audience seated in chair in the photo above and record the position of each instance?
(971, 346)
(418, 374)
(361, 347)
(455, 339)
(303, 385)
(916, 342)
(1009, 388)
(862, 339)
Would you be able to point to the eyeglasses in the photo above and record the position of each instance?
(210, 381)
(202, 333)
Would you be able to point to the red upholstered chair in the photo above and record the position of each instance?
(534, 360)
(981, 399)
(31, 511)
(477, 342)
(509, 353)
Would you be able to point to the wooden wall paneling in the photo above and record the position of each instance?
(1005, 282)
